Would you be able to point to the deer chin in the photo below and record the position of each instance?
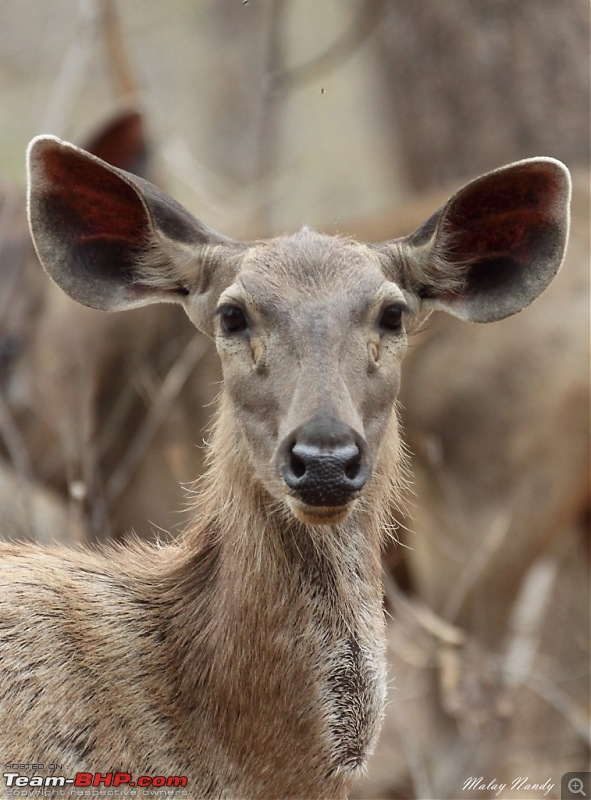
(319, 515)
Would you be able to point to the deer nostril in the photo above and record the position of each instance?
(297, 465)
(353, 466)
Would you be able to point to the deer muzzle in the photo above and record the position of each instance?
(324, 464)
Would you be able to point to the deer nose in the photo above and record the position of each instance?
(324, 462)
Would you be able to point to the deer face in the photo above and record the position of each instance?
(310, 329)
(311, 335)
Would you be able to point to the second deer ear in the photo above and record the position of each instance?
(122, 142)
(495, 245)
(113, 241)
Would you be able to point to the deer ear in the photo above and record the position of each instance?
(112, 240)
(122, 142)
(495, 245)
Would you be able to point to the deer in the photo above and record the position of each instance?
(249, 655)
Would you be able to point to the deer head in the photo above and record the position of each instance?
(311, 329)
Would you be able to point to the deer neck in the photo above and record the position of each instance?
(260, 548)
(286, 622)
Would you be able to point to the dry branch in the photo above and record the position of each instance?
(169, 391)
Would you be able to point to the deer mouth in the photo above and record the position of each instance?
(319, 515)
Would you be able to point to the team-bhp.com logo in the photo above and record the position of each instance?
(85, 780)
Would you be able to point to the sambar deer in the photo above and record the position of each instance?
(249, 655)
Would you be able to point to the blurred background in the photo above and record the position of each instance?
(358, 118)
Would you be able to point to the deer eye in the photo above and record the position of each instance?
(233, 319)
(391, 318)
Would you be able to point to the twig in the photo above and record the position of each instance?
(525, 621)
(19, 457)
(117, 58)
(73, 70)
(267, 137)
(334, 56)
(475, 567)
(171, 386)
(14, 442)
(281, 80)
(11, 212)
(422, 614)
(415, 758)
(559, 700)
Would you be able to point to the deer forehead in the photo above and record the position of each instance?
(308, 274)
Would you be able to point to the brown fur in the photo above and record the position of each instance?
(271, 643)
